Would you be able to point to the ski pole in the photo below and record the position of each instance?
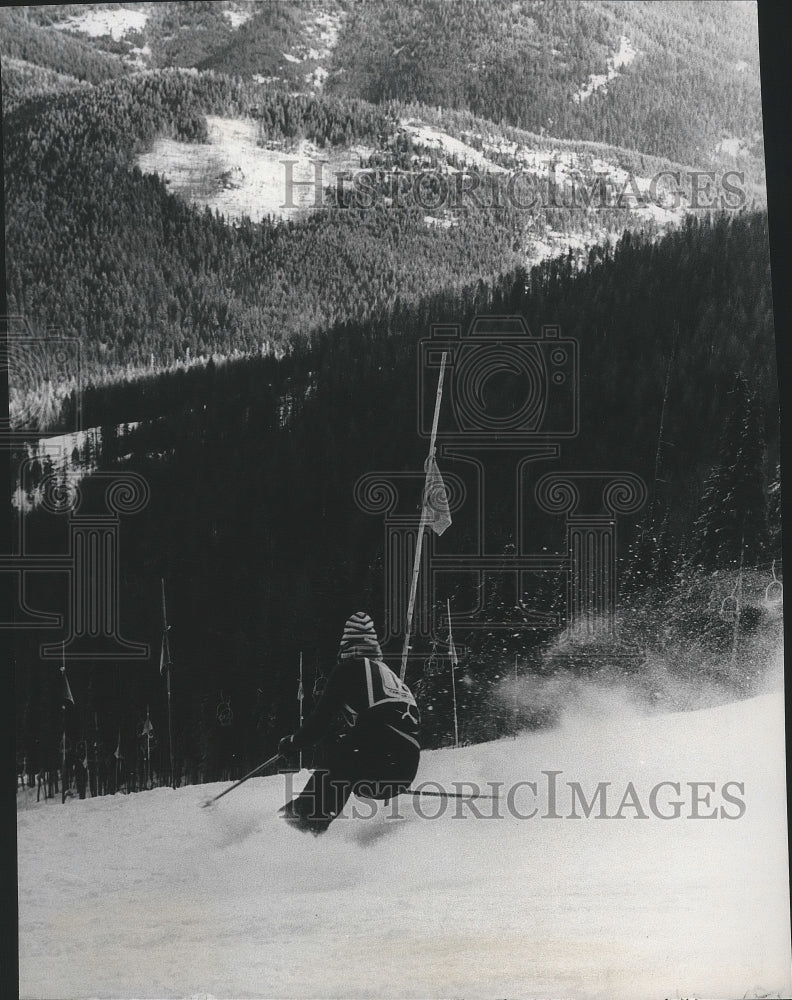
(241, 781)
(450, 795)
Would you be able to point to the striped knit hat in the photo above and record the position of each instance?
(359, 638)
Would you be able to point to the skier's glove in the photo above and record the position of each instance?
(285, 747)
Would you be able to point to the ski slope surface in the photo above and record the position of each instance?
(150, 895)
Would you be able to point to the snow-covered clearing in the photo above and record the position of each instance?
(320, 28)
(151, 896)
(434, 139)
(574, 174)
(316, 78)
(237, 177)
(58, 450)
(239, 14)
(733, 146)
(446, 222)
(622, 57)
(140, 56)
(553, 243)
(115, 21)
(737, 147)
(323, 27)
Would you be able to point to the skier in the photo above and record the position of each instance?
(370, 720)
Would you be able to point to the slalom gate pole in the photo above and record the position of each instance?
(63, 756)
(516, 703)
(166, 656)
(300, 699)
(454, 661)
(250, 774)
(63, 721)
(148, 750)
(170, 732)
(421, 526)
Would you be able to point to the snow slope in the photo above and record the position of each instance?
(236, 176)
(151, 896)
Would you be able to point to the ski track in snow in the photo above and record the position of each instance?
(151, 896)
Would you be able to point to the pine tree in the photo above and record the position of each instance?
(733, 525)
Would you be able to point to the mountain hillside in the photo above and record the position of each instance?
(670, 79)
(457, 142)
(120, 189)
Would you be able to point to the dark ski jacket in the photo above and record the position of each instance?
(363, 693)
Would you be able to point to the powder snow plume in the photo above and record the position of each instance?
(581, 680)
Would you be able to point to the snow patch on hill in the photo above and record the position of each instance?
(434, 139)
(58, 450)
(150, 895)
(236, 176)
(325, 24)
(97, 22)
(552, 243)
(321, 27)
(316, 78)
(622, 57)
(570, 171)
(738, 147)
(566, 168)
(239, 14)
(140, 56)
